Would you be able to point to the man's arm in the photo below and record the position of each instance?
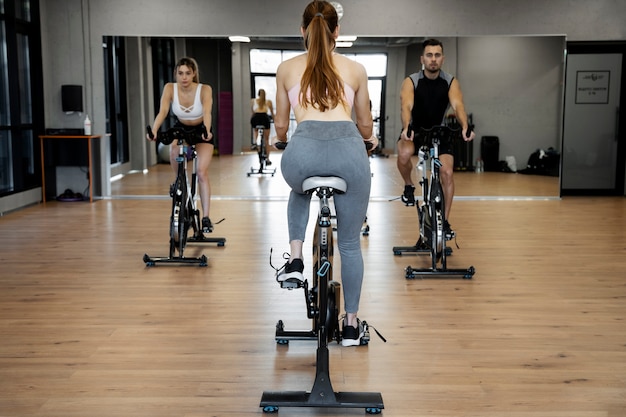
(455, 97)
(407, 93)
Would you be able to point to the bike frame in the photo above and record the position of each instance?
(431, 211)
(262, 152)
(184, 213)
(322, 307)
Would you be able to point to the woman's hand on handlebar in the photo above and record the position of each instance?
(150, 135)
(278, 144)
(371, 143)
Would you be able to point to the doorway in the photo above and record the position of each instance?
(594, 151)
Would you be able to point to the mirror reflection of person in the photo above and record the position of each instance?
(425, 97)
(322, 88)
(262, 115)
(191, 103)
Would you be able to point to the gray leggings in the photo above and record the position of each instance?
(331, 149)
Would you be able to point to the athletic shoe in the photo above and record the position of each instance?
(408, 197)
(291, 271)
(207, 226)
(351, 336)
(268, 162)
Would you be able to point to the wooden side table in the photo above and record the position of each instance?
(88, 138)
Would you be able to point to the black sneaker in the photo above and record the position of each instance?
(447, 230)
(291, 271)
(351, 336)
(207, 226)
(268, 162)
(408, 197)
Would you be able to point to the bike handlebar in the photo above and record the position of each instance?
(187, 134)
(282, 145)
(441, 130)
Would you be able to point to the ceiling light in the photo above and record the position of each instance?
(346, 38)
(239, 39)
(343, 44)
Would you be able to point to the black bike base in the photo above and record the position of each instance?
(152, 261)
(264, 171)
(322, 394)
(420, 247)
(412, 273)
(371, 401)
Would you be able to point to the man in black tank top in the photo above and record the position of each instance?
(425, 98)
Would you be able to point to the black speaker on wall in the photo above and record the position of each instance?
(72, 98)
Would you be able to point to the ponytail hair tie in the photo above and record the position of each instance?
(319, 14)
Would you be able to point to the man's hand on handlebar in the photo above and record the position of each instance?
(407, 134)
(468, 134)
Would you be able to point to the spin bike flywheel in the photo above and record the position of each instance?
(332, 311)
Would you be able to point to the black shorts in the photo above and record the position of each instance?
(419, 140)
(260, 119)
(197, 128)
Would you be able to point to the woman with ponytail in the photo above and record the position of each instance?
(262, 115)
(324, 89)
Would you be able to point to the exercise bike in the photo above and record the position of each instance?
(184, 216)
(431, 210)
(262, 152)
(322, 301)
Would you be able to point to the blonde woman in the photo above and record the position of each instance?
(191, 103)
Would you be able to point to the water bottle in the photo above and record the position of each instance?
(87, 126)
(479, 166)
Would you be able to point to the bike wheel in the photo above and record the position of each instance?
(317, 263)
(438, 241)
(437, 208)
(332, 310)
(173, 228)
(262, 156)
(175, 219)
(183, 222)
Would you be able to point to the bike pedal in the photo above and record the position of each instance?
(291, 283)
(365, 339)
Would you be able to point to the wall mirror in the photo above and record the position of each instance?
(512, 86)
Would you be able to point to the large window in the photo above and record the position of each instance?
(21, 113)
(264, 63)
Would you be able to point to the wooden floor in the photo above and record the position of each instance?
(86, 329)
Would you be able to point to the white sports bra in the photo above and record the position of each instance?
(193, 112)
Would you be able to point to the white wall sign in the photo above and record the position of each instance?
(592, 87)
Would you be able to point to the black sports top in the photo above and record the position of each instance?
(430, 102)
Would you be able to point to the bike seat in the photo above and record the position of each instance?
(336, 183)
